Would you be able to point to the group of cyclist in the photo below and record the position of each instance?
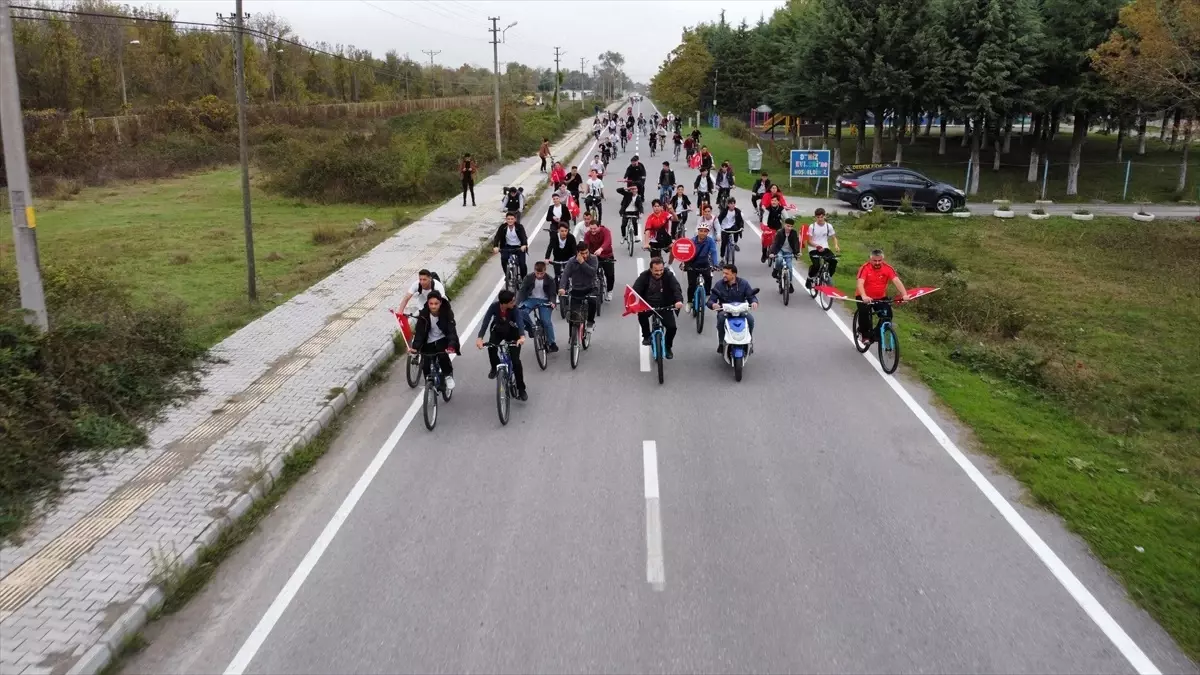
(578, 265)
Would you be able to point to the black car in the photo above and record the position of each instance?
(886, 186)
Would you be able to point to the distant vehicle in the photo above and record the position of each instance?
(886, 186)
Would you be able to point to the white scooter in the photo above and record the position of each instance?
(738, 343)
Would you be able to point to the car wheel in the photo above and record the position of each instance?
(866, 202)
(944, 204)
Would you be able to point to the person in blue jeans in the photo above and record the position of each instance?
(538, 291)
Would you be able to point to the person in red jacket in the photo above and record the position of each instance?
(558, 174)
(658, 230)
(773, 205)
(599, 241)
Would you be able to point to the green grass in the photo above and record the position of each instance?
(1153, 178)
(182, 238)
(1091, 399)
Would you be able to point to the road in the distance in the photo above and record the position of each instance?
(810, 522)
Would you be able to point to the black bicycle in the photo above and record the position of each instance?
(823, 278)
(435, 384)
(541, 344)
(580, 337)
(629, 224)
(512, 271)
(883, 335)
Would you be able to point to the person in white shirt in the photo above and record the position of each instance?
(819, 234)
(420, 290)
(597, 167)
(594, 196)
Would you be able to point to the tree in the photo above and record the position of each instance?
(1154, 53)
(683, 76)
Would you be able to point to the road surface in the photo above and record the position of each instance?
(816, 517)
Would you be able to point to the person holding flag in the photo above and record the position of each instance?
(659, 289)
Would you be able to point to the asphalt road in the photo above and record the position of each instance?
(808, 521)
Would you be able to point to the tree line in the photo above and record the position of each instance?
(984, 63)
(106, 59)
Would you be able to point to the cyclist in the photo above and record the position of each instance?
(513, 201)
(658, 230)
(605, 155)
(702, 264)
(598, 166)
(730, 288)
(773, 204)
(818, 235)
(573, 182)
(561, 247)
(695, 137)
(680, 203)
(624, 137)
(558, 212)
(659, 288)
(612, 127)
(636, 173)
(512, 238)
(662, 138)
(706, 159)
(557, 173)
(632, 206)
(537, 292)
(653, 143)
(678, 141)
(785, 247)
(730, 218)
(703, 186)
(579, 280)
(425, 284)
(871, 287)
(724, 182)
(666, 182)
(598, 240)
(760, 187)
(595, 194)
(689, 148)
(435, 335)
(507, 324)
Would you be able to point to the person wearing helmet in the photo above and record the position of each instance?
(702, 264)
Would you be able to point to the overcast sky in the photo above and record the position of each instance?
(644, 31)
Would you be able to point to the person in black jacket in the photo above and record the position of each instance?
(760, 187)
(507, 324)
(786, 245)
(573, 182)
(538, 293)
(632, 206)
(558, 213)
(560, 248)
(704, 187)
(635, 174)
(435, 335)
(659, 288)
(513, 201)
(666, 182)
(512, 240)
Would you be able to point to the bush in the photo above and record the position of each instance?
(736, 128)
(963, 308)
(923, 257)
(105, 367)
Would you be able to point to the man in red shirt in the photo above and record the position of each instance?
(873, 278)
(658, 230)
(599, 241)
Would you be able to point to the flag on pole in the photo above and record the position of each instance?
(634, 302)
(405, 328)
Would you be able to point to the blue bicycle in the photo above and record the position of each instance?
(658, 339)
(883, 335)
(506, 380)
(699, 298)
(785, 276)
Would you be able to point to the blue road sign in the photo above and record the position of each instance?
(810, 163)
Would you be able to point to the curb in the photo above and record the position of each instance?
(100, 655)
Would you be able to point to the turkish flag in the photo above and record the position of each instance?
(914, 293)
(834, 293)
(405, 328)
(634, 302)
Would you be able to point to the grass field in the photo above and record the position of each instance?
(182, 238)
(1069, 349)
(1153, 176)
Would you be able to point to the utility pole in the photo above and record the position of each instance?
(582, 80)
(496, 72)
(12, 132)
(432, 53)
(558, 53)
(244, 147)
(714, 91)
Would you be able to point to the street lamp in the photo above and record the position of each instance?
(121, 66)
(506, 30)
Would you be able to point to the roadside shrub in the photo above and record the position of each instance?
(105, 367)
(875, 219)
(961, 307)
(923, 257)
(323, 235)
(738, 129)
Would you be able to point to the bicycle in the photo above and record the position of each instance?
(730, 254)
(506, 380)
(434, 384)
(699, 299)
(412, 367)
(541, 345)
(677, 148)
(823, 278)
(629, 224)
(722, 197)
(658, 339)
(785, 276)
(512, 272)
(580, 337)
(887, 341)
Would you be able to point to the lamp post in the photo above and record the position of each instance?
(121, 67)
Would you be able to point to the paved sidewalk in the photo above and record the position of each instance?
(81, 580)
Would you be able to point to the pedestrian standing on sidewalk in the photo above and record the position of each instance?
(466, 169)
(544, 153)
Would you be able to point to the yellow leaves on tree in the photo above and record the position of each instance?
(1155, 52)
(678, 84)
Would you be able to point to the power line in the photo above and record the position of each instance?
(415, 23)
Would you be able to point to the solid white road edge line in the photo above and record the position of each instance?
(1088, 602)
(267, 623)
(643, 350)
(656, 574)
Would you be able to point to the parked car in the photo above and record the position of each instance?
(886, 186)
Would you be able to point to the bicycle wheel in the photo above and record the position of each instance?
(823, 298)
(429, 408)
(698, 309)
(412, 371)
(660, 351)
(630, 243)
(859, 344)
(574, 347)
(889, 349)
(503, 395)
(540, 347)
(585, 338)
(785, 283)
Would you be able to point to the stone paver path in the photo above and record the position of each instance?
(81, 581)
